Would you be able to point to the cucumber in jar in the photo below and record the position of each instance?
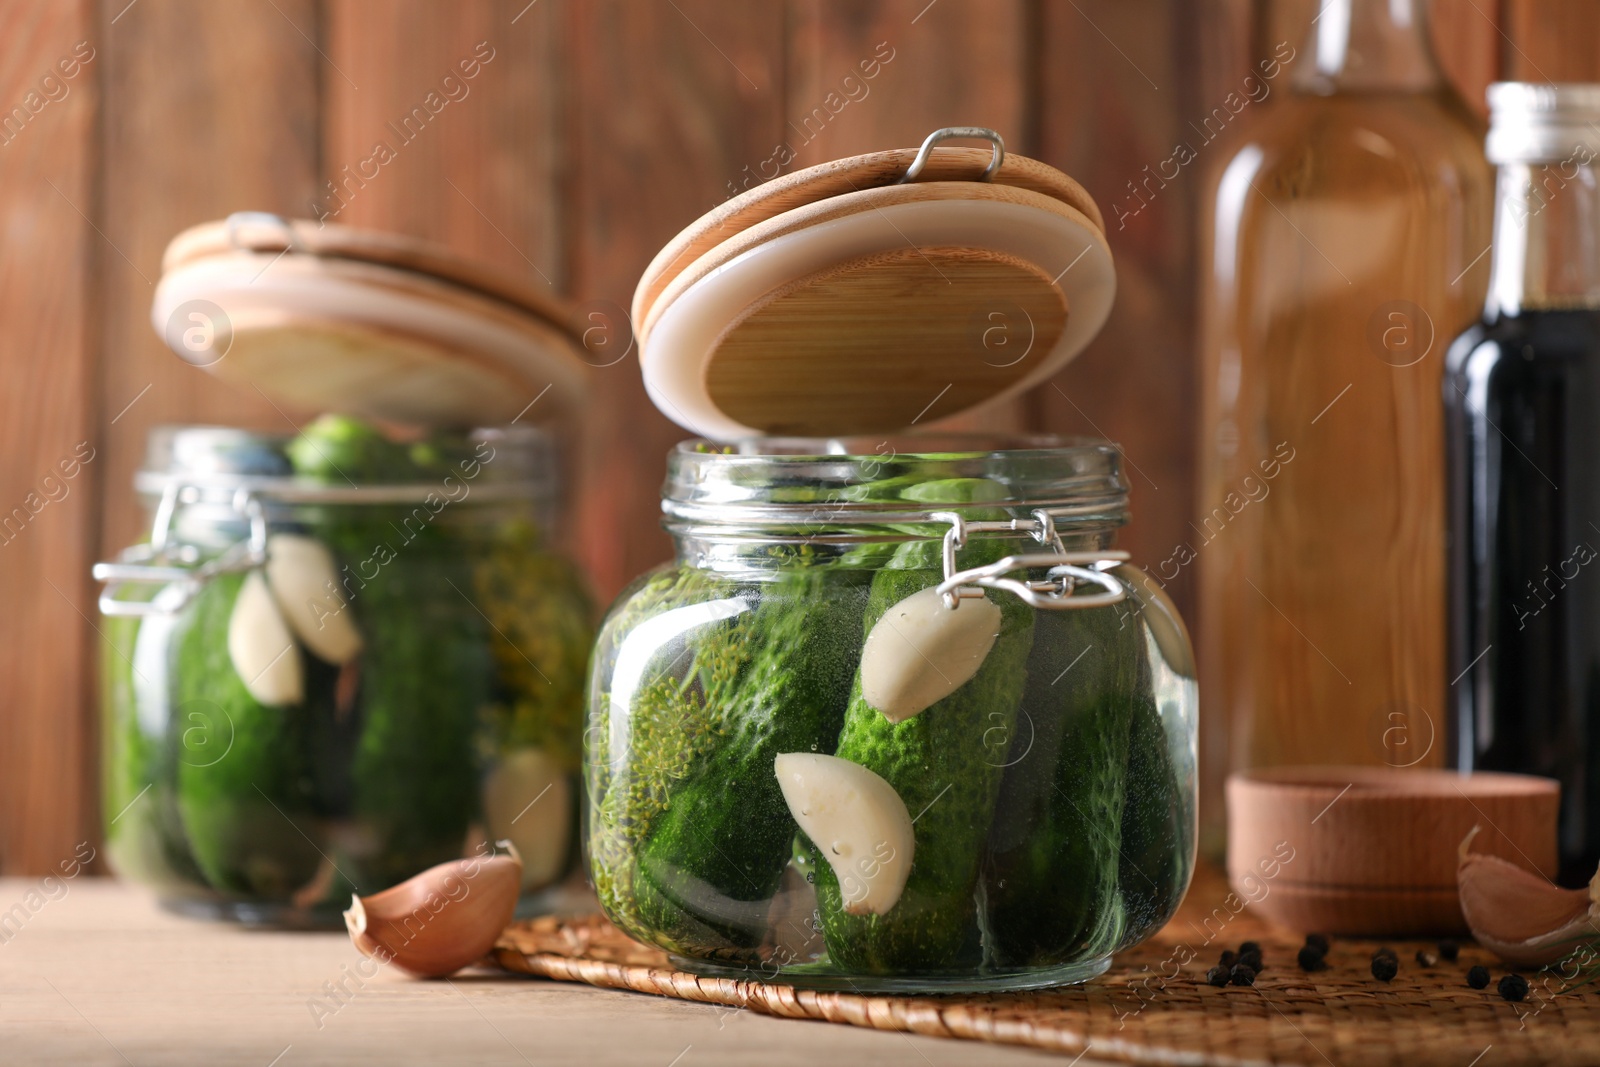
(244, 778)
(1051, 871)
(424, 665)
(144, 832)
(1157, 828)
(945, 765)
(664, 656)
(718, 850)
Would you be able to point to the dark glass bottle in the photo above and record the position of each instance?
(1522, 400)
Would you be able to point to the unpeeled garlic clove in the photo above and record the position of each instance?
(261, 647)
(304, 579)
(441, 920)
(921, 650)
(527, 799)
(857, 821)
(1519, 916)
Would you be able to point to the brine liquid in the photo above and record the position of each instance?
(1523, 401)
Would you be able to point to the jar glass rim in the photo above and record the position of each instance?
(784, 481)
(204, 461)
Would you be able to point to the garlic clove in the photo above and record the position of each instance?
(1520, 916)
(304, 579)
(527, 799)
(857, 821)
(261, 648)
(441, 920)
(921, 650)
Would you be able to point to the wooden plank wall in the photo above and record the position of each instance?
(590, 133)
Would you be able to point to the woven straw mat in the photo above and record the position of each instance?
(1154, 1006)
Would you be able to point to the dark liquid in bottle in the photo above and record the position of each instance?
(1522, 395)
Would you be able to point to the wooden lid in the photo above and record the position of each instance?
(1373, 850)
(838, 301)
(849, 175)
(337, 319)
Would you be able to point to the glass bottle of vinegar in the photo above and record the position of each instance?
(1346, 247)
(1522, 395)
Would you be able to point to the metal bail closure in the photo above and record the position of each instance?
(173, 569)
(951, 132)
(1066, 569)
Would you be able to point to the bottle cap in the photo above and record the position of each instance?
(1532, 122)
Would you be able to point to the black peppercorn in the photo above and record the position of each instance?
(1513, 987)
(1426, 958)
(1312, 960)
(1252, 959)
(1228, 958)
(1448, 950)
(1385, 968)
(1217, 976)
(1387, 953)
(1478, 977)
(1242, 974)
(1318, 942)
(1247, 947)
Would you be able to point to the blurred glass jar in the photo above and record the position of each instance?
(804, 764)
(338, 661)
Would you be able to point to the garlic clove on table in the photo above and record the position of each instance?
(439, 921)
(1520, 916)
(304, 579)
(857, 821)
(921, 650)
(261, 648)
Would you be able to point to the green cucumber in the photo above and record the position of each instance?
(424, 667)
(244, 781)
(944, 764)
(673, 640)
(1157, 828)
(1051, 870)
(144, 833)
(719, 850)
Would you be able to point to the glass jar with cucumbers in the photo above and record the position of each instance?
(893, 719)
(348, 654)
(339, 660)
(899, 716)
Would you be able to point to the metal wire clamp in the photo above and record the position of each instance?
(1056, 592)
(951, 132)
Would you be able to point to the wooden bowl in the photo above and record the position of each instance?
(1371, 851)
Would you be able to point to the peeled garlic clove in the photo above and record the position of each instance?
(305, 581)
(856, 820)
(1519, 916)
(527, 799)
(922, 650)
(441, 920)
(261, 648)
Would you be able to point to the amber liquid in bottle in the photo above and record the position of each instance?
(1346, 250)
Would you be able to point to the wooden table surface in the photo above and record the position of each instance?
(101, 975)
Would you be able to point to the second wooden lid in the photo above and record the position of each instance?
(331, 318)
